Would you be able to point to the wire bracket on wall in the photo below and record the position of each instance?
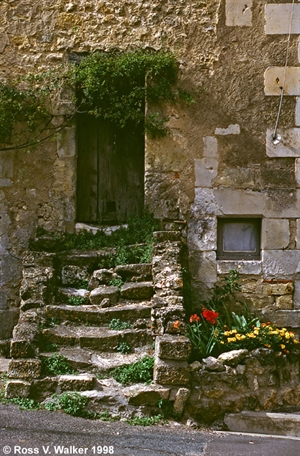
(276, 137)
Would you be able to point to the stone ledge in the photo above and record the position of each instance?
(264, 423)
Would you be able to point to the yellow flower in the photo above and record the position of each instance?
(231, 339)
(251, 335)
(222, 342)
(256, 331)
(287, 335)
(282, 346)
(296, 341)
(268, 345)
(226, 333)
(233, 331)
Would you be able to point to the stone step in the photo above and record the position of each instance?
(96, 338)
(264, 423)
(45, 387)
(135, 272)
(93, 314)
(86, 360)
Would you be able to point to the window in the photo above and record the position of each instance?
(238, 238)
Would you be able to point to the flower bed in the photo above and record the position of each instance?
(216, 330)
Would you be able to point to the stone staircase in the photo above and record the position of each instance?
(68, 306)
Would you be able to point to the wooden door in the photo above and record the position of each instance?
(110, 171)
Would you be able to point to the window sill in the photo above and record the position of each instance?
(253, 267)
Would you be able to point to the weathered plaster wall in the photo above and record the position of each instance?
(213, 162)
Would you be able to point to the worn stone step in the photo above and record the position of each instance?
(264, 423)
(47, 386)
(92, 314)
(135, 272)
(86, 360)
(96, 338)
(137, 291)
(89, 258)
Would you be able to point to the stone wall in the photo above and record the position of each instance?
(217, 159)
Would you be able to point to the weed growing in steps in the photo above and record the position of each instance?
(139, 372)
(76, 300)
(56, 365)
(71, 402)
(116, 283)
(145, 420)
(124, 348)
(118, 324)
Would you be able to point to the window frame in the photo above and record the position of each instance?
(239, 254)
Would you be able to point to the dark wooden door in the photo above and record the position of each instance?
(110, 171)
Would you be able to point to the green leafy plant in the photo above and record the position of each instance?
(118, 324)
(56, 364)
(71, 402)
(145, 420)
(116, 283)
(106, 416)
(139, 372)
(76, 300)
(124, 348)
(25, 403)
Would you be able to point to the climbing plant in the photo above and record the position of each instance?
(110, 85)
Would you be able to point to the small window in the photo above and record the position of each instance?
(239, 238)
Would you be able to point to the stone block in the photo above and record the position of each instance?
(210, 147)
(72, 275)
(22, 349)
(66, 142)
(171, 372)
(277, 77)
(105, 292)
(81, 382)
(137, 291)
(264, 423)
(284, 302)
(240, 202)
(280, 264)
(206, 169)
(203, 266)
(297, 172)
(100, 277)
(176, 347)
(281, 288)
(212, 364)
(233, 358)
(205, 203)
(231, 129)
(17, 388)
(261, 302)
(5, 182)
(135, 272)
(238, 13)
(24, 368)
(288, 146)
(202, 233)
(282, 18)
(146, 394)
(246, 267)
(286, 205)
(180, 401)
(297, 109)
(284, 318)
(275, 234)
(297, 292)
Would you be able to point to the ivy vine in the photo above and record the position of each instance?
(110, 85)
